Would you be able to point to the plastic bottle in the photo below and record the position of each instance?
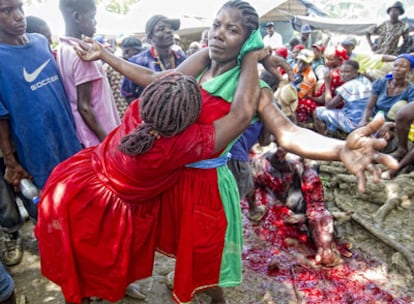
(29, 190)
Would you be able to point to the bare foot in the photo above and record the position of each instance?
(257, 213)
(399, 153)
(328, 257)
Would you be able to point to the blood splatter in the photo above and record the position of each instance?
(285, 253)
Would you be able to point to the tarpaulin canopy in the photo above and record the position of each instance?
(343, 26)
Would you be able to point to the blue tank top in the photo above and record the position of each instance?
(241, 148)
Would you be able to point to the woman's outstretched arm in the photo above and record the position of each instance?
(359, 153)
(90, 50)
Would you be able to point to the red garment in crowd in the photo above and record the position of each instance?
(305, 91)
(193, 221)
(335, 83)
(100, 209)
(305, 108)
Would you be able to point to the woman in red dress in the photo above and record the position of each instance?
(100, 209)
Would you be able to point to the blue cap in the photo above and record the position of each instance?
(305, 29)
(408, 57)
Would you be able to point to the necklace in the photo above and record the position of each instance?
(164, 65)
(168, 65)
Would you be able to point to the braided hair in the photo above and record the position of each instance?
(251, 18)
(167, 107)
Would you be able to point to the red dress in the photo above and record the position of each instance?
(196, 213)
(100, 209)
(336, 81)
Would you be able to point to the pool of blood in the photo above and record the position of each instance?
(285, 253)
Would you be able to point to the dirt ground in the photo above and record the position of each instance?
(392, 270)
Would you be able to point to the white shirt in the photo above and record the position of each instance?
(274, 41)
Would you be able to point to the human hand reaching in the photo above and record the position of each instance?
(89, 49)
(360, 153)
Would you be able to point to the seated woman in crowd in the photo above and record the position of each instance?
(389, 93)
(354, 94)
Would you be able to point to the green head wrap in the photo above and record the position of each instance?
(225, 84)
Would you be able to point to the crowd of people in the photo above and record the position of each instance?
(149, 150)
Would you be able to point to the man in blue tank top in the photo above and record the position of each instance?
(36, 126)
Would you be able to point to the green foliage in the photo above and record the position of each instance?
(117, 6)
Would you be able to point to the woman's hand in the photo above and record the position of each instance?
(263, 53)
(360, 153)
(89, 49)
(272, 63)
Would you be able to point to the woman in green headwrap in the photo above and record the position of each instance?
(200, 215)
(205, 235)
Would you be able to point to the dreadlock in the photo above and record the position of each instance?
(167, 107)
(251, 18)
